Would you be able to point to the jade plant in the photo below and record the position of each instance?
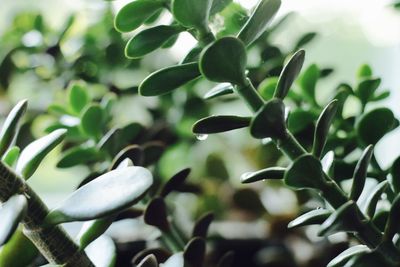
(319, 165)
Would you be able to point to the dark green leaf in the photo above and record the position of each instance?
(92, 120)
(346, 255)
(218, 65)
(227, 259)
(149, 261)
(152, 152)
(258, 21)
(105, 195)
(102, 252)
(134, 14)
(200, 228)
(11, 156)
(219, 5)
(366, 89)
(299, 120)
(219, 90)
(193, 55)
(149, 40)
(305, 39)
(132, 152)
(195, 252)
(264, 174)
(166, 80)
(373, 198)
(78, 155)
(11, 213)
(218, 124)
(91, 230)
(392, 225)
(175, 182)
(308, 81)
(10, 126)
(322, 128)
(394, 178)
(192, 14)
(289, 73)
(360, 173)
(374, 125)
(317, 216)
(34, 153)
(381, 96)
(267, 87)
(78, 97)
(156, 214)
(269, 121)
(305, 172)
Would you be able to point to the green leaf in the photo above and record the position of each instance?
(308, 81)
(19, 244)
(195, 252)
(156, 215)
(91, 230)
(289, 73)
(34, 153)
(373, 198)
(78, 155)
(175, 260)
(392, 225)
(269, 121)
(360, 173)
(299, 120)
(152, 152)
(104, 196)
(322, 128)
(11, 156)
(132, 152)
(192, 14)
(374, 125)
(364, 72)
(219, 5)
(10, 126)
(305, 172)
(264, 174)
(346, 255)
(78, 97)
(218, 64)
(344, 219)
(11, 213)
(92, 120)
(221, 123)
(267, 88)
(305, 39)
(149, 261)
(258, 21)
(149, 40)
(175, 182)
(366, 89)
(201, 226)
(317, 216)
(134, 14)
(166, 80)
(219, 90)
(394, 178)
(102, 252)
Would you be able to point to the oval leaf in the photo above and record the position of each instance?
(92, 120)
(78, 155)
(10, 126)
(264, 174)
(218, 64)
(373, 198)
(105, 195)
(218, 124)
(194, 252)
(219, 90)
(175, 182)
(134, 14)
(346, 255)
(308, 81)
(200, 228)
(102, 252)
(156, 214)
(192, 14)
(33, 154)
(289, 73)
(78, 97)
(166, 80)
(258, 21)
(317, 216)
(11, 213)
(149, 40)
(392, 225)
(360, 173)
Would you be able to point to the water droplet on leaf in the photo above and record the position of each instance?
(201, 137)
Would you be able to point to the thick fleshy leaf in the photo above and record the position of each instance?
(105, 195)
(79, 155)
(300, 119)
(102, 252)
(19, 244)
(374, 125)
(264, 174)
(392, 225)
(345, 256)
(132, 152)
(360, 173)
(149, 40)
(11, 213)
(371, 202)
(192, 55)
(317, 216)
(192, 14)
(269, 121)
(371, 259)
(11, 156)
(344, 219)
(92, 120)
(200, 228)
(289, 73)
(166, 80)
(308, 81)
(219, 5)
(304, 40)
(152, 152)
(322, 128)
(219, 124)
(218, 64)
(219, 90)
(149, 261)
(195, 252)
(257, 24)
(367, 88)
(134, 14)
(364, 71)
(305, 172)
(175, 182)
(91, 230)
(156, 214)
(227, 259)
(33, 154)
(175, 260)
(78, 97)
(10, 126)
(394, 178)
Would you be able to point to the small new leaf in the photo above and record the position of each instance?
(317, 216)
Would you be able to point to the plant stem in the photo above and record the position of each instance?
(53, 242)
(250, 95)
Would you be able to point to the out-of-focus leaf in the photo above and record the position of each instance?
(304, 40)
(11, 156)
(269, 121)
(102, 252)
(219, 90)
(308, 81)
(345, 256)
(175, 260)
(149, 261)
(195, 252)
(78, 155)
(366, 89)
(373, 198)
(11, 213)
(227, 259)
(78, 97)
(156, 215)
(394, 178)
(200, 228)
(91, 230)
(221, 123)
(92, 120)
(317, 216)
(264, 174)
(219, 5)
(175, 182)
(364, 72)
